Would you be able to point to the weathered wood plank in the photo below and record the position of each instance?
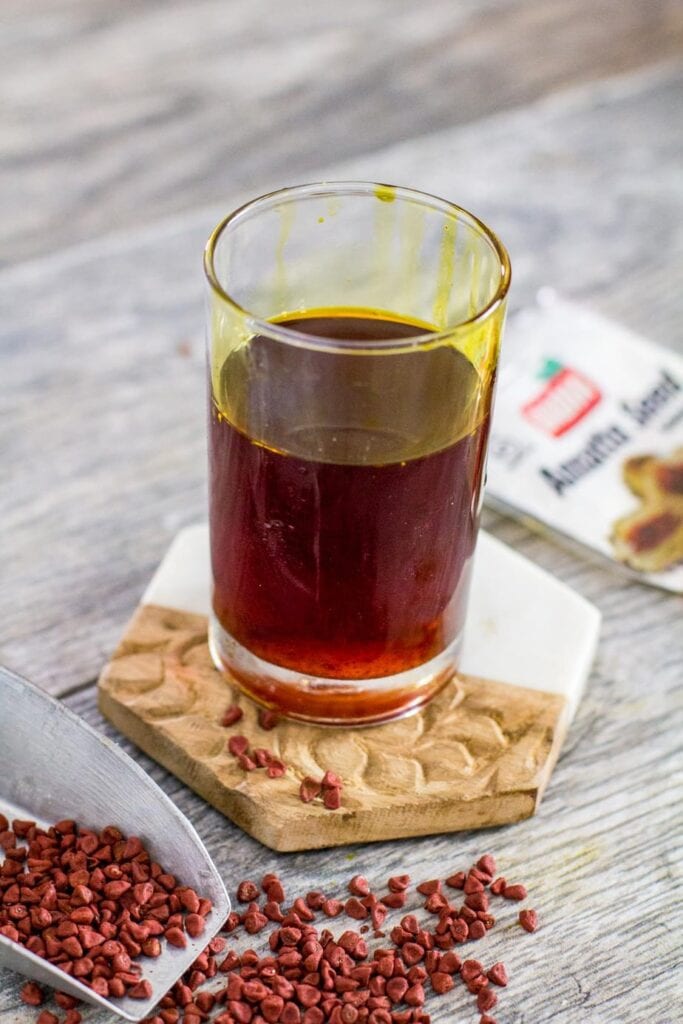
(115, 114)
(102, 426)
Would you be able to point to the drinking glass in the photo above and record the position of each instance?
(353, 337)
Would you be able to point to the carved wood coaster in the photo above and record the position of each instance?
(479, 754)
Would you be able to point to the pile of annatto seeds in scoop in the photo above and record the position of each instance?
(308, 975)
(91, 904)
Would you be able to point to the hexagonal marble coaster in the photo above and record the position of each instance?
(479, 754)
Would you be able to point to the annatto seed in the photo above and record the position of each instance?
(449, 963)
(238, 744)
(442, 982)
(515, 892)
(477, 930)
(435, 903)
(267, 719)
(176, 938)
(398, 883)
(427, 888)
(411, 953)
(415, 996)
(498, 887)
(359, 886)
(247, 891)
(255, 922)
(332, 798)
(498, 975)
(485, 1019)
(471, 969)
(486, 1000)
(65, 1001)
(231, 715)
(477, 901)
(477, 984)
(274, 890)
(378, 914)
(45, 1017)
(189, 900)
(396, 988)
(395, 900)
(354, 908)
(194, 925)
(31, 994)
(271, 1008)
(309, 789)
(487, 864)
(528, 920)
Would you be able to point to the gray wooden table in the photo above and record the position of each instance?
(128, 129)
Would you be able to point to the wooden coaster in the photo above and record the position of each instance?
(479, 754)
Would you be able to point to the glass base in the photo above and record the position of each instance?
(330, 701)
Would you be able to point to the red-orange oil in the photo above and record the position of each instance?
(353, 569)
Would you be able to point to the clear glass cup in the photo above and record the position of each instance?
(354, 332)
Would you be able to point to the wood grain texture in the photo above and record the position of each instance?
(479, 754)
(115, 114)
(103, 421)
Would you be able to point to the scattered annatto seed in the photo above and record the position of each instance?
(395, 900)
(398, 883)
(247, 891)
(267, 719)
(359, 886)
(32, 994)
(276, 768)
(514, 892)
(427, 888)
(498, 975)
(472, 885)
(238, 744)
(309, 789)
(528, 920)
(332, 798)
(308, 976)
(232, 715)
(487, 863)
(486, 1000)
(65, 1001)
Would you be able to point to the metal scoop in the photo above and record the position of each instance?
(54, 766)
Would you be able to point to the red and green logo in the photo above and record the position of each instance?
(566, 397)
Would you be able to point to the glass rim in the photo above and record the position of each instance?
(331, 189)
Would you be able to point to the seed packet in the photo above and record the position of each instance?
(587, 437)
